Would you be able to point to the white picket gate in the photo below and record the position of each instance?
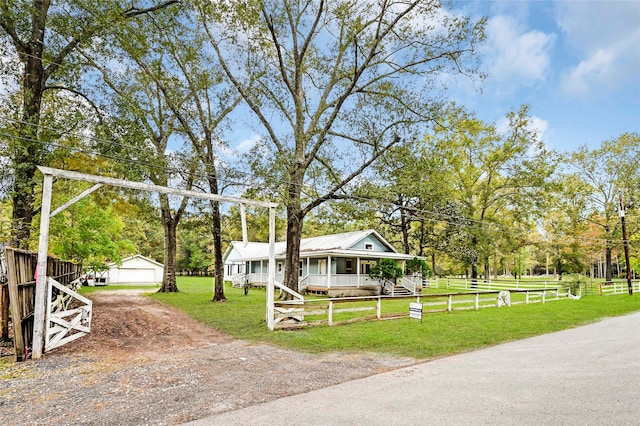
(68, 315)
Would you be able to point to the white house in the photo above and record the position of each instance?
(136, 269)
(330, 264)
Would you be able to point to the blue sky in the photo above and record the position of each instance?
(575, 63)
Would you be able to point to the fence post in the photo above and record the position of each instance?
(450, 303)
(544, 295)
(330, 313)
(477, 300)
(527, 298)
(379, 308)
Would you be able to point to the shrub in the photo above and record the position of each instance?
(386, 269)
(417, 265)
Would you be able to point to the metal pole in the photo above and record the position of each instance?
(41, 270)
(625, 243)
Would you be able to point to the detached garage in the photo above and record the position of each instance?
(136, 269)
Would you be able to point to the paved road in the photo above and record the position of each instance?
(584, 376)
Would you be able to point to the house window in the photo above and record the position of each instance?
(300, 269)
(279, 268)
(368, 246)
(348, 266)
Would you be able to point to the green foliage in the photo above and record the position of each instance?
(195, 247)
(417, 265)
(86, 232)
(386, 269)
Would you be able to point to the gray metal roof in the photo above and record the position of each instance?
(334, 244)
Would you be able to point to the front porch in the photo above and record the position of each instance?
(337, 284)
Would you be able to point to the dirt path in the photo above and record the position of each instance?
(148, 363)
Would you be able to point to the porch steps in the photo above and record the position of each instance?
(401, 291)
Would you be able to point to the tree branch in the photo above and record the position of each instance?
(99, 113)
(331, 193)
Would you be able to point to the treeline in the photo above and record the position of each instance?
(334, 110)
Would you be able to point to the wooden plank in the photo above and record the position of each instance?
(14, 300)
(67, 174)
(41, 269)
(4, 312)
(76, 199)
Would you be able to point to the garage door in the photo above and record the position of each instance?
(137, 275)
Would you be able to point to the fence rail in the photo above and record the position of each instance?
(610, 289)
(326, 311)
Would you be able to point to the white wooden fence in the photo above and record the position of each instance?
(324, 311)
(618, 288)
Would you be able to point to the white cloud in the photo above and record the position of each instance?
(245, 146)
(605, 36)
(515, 56)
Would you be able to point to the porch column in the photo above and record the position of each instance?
(308, 270)
(261, 271)
(358, 270)
(329, 271)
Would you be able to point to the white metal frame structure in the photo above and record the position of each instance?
(46, 214)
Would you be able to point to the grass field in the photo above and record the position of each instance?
(439, 334)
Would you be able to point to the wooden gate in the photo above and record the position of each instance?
(68, 314)
(21, 284)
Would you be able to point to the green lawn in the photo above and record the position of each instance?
(439, 334)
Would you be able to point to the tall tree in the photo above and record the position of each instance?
(607, 171)
(491, 171)
(191, 86)
(146, 122)
(45, 38)
(335, 84)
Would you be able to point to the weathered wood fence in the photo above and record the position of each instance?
(19, 290)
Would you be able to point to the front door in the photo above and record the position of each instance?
(322, 266)
(365, 266)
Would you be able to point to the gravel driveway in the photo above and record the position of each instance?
(148, 363)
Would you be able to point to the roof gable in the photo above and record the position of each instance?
(135, 259)
(343, 241)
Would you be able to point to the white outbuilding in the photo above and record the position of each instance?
(136, 269)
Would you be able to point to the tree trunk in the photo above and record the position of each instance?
(474, 263)
(295, 217)
(559, 267)
(487, 271)
(170, 228)
(608, 264)
(216, 223)
(294, 231)
(27, 152)
(433, 262)
(404, 225)
(216, 228)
